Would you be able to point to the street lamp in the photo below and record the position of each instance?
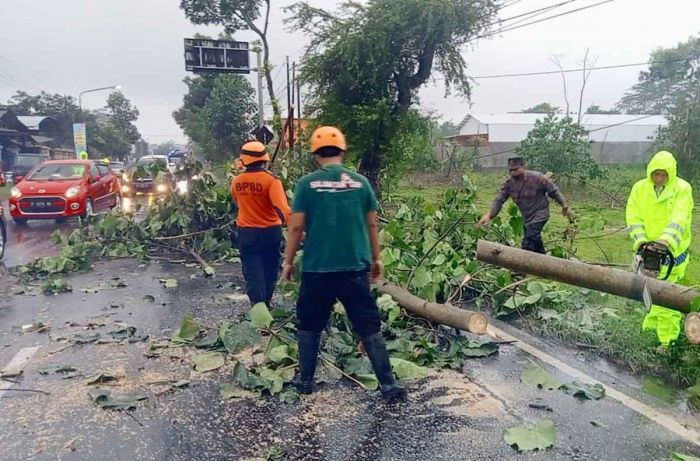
(80, 96)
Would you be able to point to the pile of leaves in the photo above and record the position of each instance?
(263, 351)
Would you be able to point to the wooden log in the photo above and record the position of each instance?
(692, 328)
(473, 322)
(605, 279)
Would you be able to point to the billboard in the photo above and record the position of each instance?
(79, 138)
(204, 55)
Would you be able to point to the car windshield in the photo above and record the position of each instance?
(149, 162)
(27, 161)
(58, 172)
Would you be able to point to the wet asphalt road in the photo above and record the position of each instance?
(450, 416)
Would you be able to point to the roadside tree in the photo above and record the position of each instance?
(218, 113)
(366, 62)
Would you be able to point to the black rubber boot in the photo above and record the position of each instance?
(378, 355)
(308, 342)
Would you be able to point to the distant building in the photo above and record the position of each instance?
(616, 139)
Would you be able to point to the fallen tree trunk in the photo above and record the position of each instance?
(605, 279)
(473, 322)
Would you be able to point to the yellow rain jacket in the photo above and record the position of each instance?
(666, 217)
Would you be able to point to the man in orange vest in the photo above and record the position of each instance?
(262, 210)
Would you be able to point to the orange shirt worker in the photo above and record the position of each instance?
(262, 210)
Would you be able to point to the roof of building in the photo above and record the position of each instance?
(33, 121)
(587, 119)
(514, 127)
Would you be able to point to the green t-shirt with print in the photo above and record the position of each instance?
(335, 201)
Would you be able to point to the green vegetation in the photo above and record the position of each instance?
(560, 146)
(604, 325)
(218, 113)
(112, 136)
(671, 87)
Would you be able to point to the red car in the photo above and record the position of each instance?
(60, 189)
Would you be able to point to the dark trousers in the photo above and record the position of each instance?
(319, 292)
(532, 241)
(260, 258)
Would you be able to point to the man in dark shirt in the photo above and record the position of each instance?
(529, 190)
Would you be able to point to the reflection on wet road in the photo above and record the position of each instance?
(30, 241)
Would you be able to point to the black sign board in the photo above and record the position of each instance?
(203, 55)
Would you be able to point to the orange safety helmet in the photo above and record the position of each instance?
(254, 151)
(328, 136)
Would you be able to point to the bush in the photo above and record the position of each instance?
(560, 146)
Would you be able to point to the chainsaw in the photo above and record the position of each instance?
(649, 261)
(651, 258)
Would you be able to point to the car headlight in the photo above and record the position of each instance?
(161, 188)
(15, 192)
(125, 188)
(73, 191)
(125, 177)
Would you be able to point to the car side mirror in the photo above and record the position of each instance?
(94, 179)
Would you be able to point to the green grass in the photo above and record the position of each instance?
(4, 192)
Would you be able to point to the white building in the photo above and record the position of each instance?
(615, 138)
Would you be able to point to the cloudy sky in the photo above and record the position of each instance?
(66, 46)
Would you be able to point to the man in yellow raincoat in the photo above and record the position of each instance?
(659, 209)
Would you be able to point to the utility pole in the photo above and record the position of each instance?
(299, 103)
(261, 108)
(290, 107)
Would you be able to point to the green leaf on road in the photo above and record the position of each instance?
(239, 336)
(682, 457)
(149, 298)
(540, 437)
(289, 395)
(245, 378)
(49, 369)
(100, 378)
(584, 391)
(209, 271)
(260, 316)
(407, 370)
(369, 381)
(187, 332)
(169, 283)
(229, 391)
(535, 375)
(208, 361)
(280, 355)
(85, 338)
(123, 332)
(475, 349)
(124, 402)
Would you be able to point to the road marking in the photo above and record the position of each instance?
(641, 408)
(17, 363)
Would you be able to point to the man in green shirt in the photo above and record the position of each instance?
(338, 210)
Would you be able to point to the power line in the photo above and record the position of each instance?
(508, 29)
(550, 72)
(529, 13)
